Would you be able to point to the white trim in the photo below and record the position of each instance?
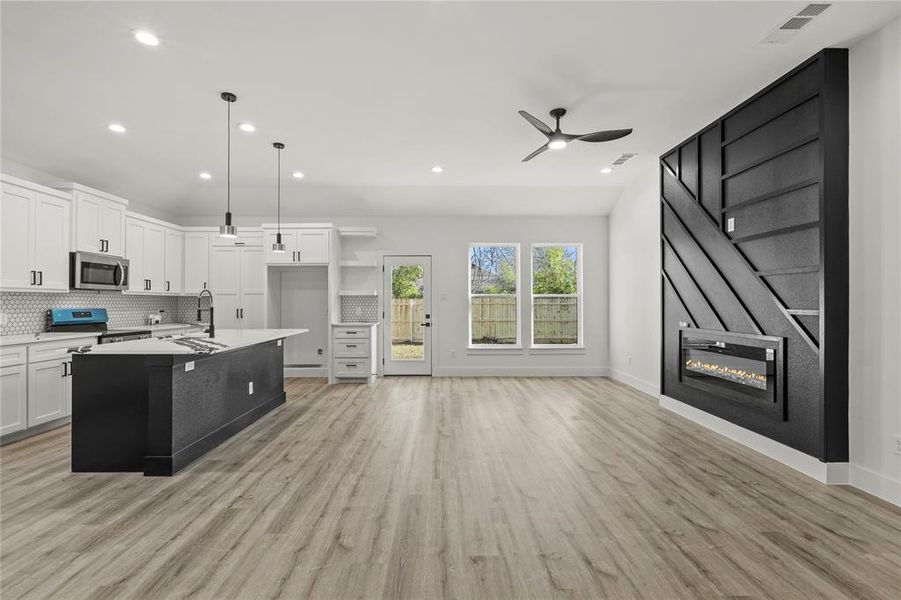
(306, 372)
(519, 372)
(35, 187)
(797, 460)
(651, 389)
(494, 350)
(469, 294)
(580, 341)
(876, 484)
(558, 349)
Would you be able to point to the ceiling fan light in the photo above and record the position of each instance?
(556, 144)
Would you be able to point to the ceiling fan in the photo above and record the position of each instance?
(556, 139)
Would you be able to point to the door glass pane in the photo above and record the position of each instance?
(407, 314)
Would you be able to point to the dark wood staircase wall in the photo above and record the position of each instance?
(777, 166)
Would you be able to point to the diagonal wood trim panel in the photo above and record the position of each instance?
(754, 225)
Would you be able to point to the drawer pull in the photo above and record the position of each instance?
(351, 345)
(351, 365)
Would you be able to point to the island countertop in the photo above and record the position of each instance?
(226, 340)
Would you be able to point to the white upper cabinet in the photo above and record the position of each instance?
(98, 221)
(175, 256)
(303, 245)
(197, 261)
(34, 237)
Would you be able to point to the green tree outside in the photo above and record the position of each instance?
(554, 270)
(406, 282)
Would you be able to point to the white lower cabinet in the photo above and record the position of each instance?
(13, 398)
(47, 390)
(354, 352)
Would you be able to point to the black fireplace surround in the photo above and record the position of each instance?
(754, 257)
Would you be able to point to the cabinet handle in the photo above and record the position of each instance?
(65, 368)
(242, 313)
(40, 278)
(351, 345)
(204, 285)
(106, 245)
(34, 275)
(167, 286)
(351, 365)
(237, 313)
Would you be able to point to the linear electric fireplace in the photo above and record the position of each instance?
(734, 366)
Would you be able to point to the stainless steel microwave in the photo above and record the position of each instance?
(89, 271)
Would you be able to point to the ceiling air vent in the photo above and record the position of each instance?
(790, 27)
(623, 158)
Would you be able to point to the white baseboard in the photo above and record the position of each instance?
(519, 372)
(876, 484)
(306, 371)
(834, 473)
(652, 389)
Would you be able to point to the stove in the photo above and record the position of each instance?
(95, 320)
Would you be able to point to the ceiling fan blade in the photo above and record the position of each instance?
(537, 123)
(604, 136)
(536, 153)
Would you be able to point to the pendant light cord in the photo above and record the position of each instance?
(279, 192)
(228, 159)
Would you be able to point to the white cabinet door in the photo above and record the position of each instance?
(13, 398)
(134, 252)
(51, 242)
(154, 258)
(112, 227)
(175, 256)
(289, 239)
(226, 310)
(87, 222)
(16, 246)
(46, 391)
(197, 261)
(313, 247)
(253, 271)
(225, 264)
(253, 310)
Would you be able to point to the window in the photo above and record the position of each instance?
(556, 295)
(494, 295)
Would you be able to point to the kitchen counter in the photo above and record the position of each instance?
(226, 340)
(35, 338)
(155, 406)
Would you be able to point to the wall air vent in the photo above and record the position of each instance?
(789, 28)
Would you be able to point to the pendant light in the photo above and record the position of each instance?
(278, 246)
(228, 230)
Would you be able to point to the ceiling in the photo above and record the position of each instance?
(369, 96)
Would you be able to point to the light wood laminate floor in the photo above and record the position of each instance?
(446, 488)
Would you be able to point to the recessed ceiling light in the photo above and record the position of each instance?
(247, 127)
(606, 170)
(437, 169)
(117, 127)
(146, 37)
(297, 175)
(205, 175)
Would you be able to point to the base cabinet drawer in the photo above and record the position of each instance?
(345, 367)
(13, 355)
(351, 332)
(351, 348)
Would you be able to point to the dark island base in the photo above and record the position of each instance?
(159, 413)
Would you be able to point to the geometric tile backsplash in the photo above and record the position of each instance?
(26, 312)
(359, 309)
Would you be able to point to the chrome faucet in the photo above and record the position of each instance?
(212, 329)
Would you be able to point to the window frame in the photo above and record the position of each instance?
(579, 295)
(518, 295)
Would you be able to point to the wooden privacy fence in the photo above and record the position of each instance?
(555, 320)
(406, 321)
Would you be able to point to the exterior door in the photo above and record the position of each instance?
(407, 333)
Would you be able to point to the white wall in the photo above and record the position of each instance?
(635, 285)
(875, 261)
(447, 240)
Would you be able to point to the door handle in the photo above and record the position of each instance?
(426, 324)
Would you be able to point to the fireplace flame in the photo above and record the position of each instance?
(748, 377)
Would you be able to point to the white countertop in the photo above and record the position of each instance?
(232, 339)
(53, 336)
(370, 324)
(35, 338)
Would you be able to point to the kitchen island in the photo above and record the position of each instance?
(156, 405)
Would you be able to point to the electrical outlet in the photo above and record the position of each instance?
(730, 224)
(250, 388)
(319, 351)
(898, 444)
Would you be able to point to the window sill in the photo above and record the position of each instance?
(558, 349)
(505, 349)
